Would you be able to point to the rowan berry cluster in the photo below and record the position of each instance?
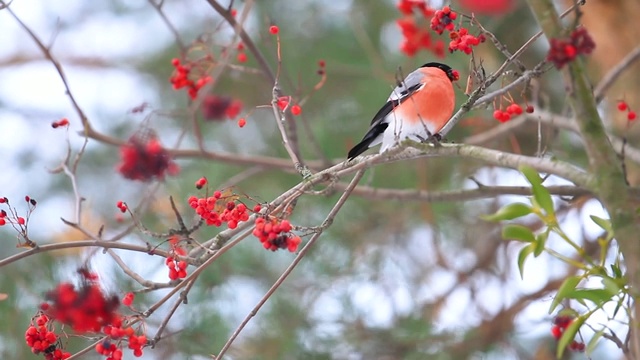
(623, 106)
(60, 123)
(284, 102)
(321, 67)
(217, 209)
(122, 206)
(19, 222)
(275, 234)
(41, 339)
(127, 300)
(415, 36)
(460, 39)
(177, 268)
(563, 51)
(183, 78)
(560, 324)
(443, 20)
(463, 41)
(242, 56)
(144, 158)
(512, 110)
(85, 309)
(111, 347)
(216, 108)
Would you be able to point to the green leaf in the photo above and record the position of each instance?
(597, 296)
(509, 212)
(569, 334)
(567, 288)
(605, 224)
(540, 193)
(540, 242)
(616, 271)
(610, 284)
(518, 232)
(522, 257)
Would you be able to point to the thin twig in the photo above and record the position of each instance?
(80, 244)
(615, 72)
(327, 222)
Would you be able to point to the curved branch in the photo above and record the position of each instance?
(482, 192)
(613, 74)
(82, 243)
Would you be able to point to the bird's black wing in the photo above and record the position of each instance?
(378, 126)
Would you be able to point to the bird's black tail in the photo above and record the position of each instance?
(370, 137)
(359, 149)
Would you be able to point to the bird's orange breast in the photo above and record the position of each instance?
(433, 104)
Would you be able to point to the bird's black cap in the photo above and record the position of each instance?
(446, 68)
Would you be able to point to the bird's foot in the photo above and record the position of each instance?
(435, 139)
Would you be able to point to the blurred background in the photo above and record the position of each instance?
(389, 279)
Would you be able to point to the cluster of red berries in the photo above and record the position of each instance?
(60, 123)
(177, 268)
(86, 309)
(41, 339)
(284, 102)
(560, 324)
(181, 79)
(415, 36)
(511, 110)
(115, 333)
(275, 234)
(215, 108)
(460, 39)
(242, 56)
(563, 51)
(623, 106)
(463, 41)
(407, 6)
(443, 20)
(216, 210)
(127, 300)
(200, 183)
(15, 219)
(144, 158)
(122, 206)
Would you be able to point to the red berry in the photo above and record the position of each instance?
(529, 109)
(322, 63)
(556, 332)
(631, 115)
(622, 106)
(21, 220)
(242, 57)
(257, 208)
(273, 29)
(242, 122)
(296, 110)
(128, 299)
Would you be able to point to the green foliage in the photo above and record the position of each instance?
(614, 288)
